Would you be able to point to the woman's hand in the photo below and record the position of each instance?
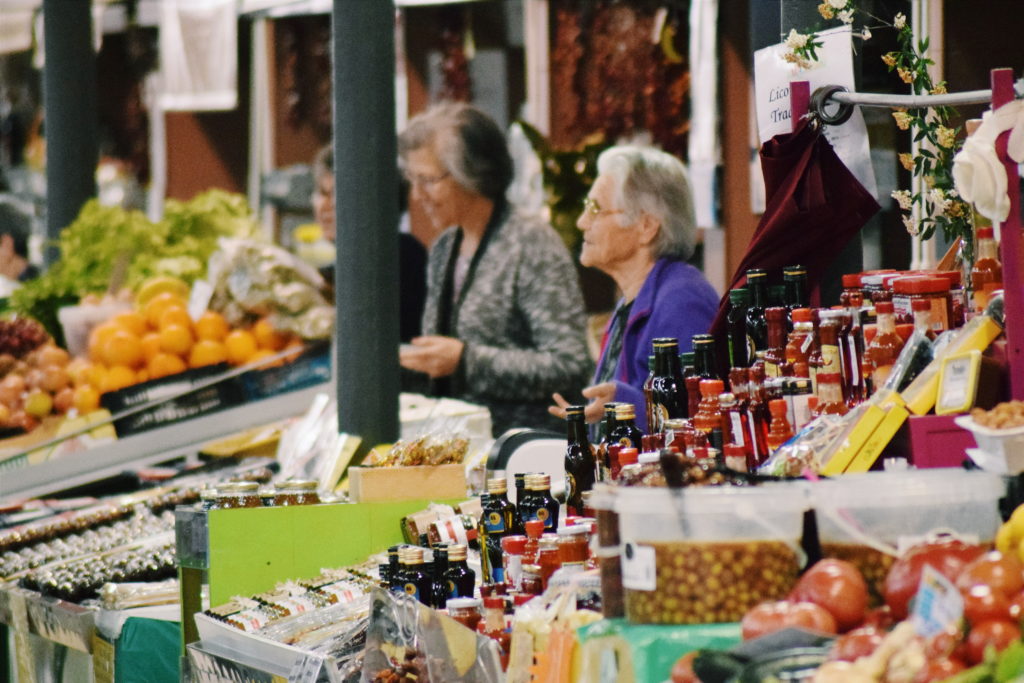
(434, 355)
(598, 394)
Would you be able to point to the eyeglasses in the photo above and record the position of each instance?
(425, 180)
(590, 206)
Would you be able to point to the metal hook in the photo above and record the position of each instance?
(827, 110)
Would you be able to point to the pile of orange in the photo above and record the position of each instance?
(161, 339)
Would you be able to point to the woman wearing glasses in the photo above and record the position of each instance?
(503, 323)
(638, 227)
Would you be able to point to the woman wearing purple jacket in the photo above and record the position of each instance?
(638, 227)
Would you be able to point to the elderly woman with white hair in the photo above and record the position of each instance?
(504, 322)
(638, 227)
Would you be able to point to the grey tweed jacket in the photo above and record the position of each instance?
(520, 315)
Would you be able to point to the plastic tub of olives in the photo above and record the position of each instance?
(707, 555)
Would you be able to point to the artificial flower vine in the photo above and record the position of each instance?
(938, 204)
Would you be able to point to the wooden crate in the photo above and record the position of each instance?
(436, 482)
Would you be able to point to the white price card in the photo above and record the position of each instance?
(938, 604)
(639, 570)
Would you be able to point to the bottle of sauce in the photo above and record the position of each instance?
(757, 326)
(497, 521)
(513, 548)
(461, 578)
(780, 431)
(830, 395)
(668, 388)
(626, 434)
(987, 271)
(775, 354)
(757, 414)
(607, 427)
(798, 344)
(735, 419)
(494, 626)
(828, 336)
(534, 530)
(627, 457)
(649, 427)
(709, 415)
(885, 346)
(579, 460)
(539, 503)
(741, 345)
(466, 611)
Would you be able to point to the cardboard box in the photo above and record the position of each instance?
(436, 482)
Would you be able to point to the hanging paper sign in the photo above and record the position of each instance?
(772, 76)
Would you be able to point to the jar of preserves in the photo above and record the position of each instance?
(574, 544)
(532, 583)
(934, 290)
(466, 611)
(237, 494)
(548, 557)
(296, 492)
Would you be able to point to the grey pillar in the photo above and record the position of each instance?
(366, 212)
(69, 98)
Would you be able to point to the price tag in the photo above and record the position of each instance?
(638, 567)
(958, 383)
(938, 604)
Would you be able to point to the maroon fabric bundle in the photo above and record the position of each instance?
(815, 206)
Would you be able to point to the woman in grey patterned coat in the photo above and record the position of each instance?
(503, 323)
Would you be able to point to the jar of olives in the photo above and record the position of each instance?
(237, 494)
(296, 492)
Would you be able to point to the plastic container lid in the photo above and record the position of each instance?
(514, 544)
(536, 525)
(851, 281)
(920, 284)
(574, 530)
(711, 387)
(628, 456)
(920, 305)
(463, 603)
(649, 458)
(884, 307)
(954, 276)
(801, 315)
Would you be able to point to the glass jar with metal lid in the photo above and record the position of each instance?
(296, 492)
(237, 494)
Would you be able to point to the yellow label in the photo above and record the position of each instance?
(830, 356)
(409, 588)
(542, 513)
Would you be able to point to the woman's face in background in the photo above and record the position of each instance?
(434, 188)
(323, 204)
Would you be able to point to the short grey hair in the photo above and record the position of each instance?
(648, 180)
(468, 143)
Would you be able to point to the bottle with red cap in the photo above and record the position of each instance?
(884, 348)
(781, 431)
(709, 415)
(801, 339)
(775, 354)
(987, 271)
(757, 413)
(830, 395)
(494, 626)
(931, 288)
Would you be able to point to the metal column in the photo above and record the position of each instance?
(69, 94)
(366, 213)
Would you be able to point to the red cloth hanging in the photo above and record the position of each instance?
(815, 206)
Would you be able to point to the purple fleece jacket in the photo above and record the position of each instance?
(674, 301)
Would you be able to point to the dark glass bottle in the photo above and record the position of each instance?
(416, 581)
(607, 427)
(497, 520)
(775, 354)
(741, 345)
(461, 578)
(397, 575)
(795, 280)
(757, 411)
(669, 389)
(704, 361)
(440, 590)
(757, 326)
(520, 479)
(539, 503)
(392, 567)
(691, 381)
(649, 427)
(626, 434)
(579, 460)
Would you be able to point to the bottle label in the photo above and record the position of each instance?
(495, 522)
(498, 574)
(738, 463)
(412, 590)
(830, 356)
(639, 571)
(737, 429)
(453, 590)
(514, 569)
(855, 369)
(661, 414)
(801, 411)
(543, 515)
(753, 438)
(771, 369)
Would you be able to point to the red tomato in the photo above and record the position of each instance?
(851, 646)
(682, 670)
(982, 603)
(1004, 573)
(769, 617)
(943, 644)
(998, 633)
(939, 670)
(1017, 606)
(948, 557)
(837, 586)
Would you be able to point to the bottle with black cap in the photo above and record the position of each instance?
(757, 326)
(580, 467)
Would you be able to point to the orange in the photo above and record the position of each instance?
(122, 348)
(96, 375)
(175, 338)
(266, 353)
(142, 375)
(297, 347)
(156, 306)
(164, 364)
(86, 399)
(267, 337)
(212, 325)
(132, 321)
(175, 315)
(207, 352)
(241, 346)
(79, 369)
(150, 345)
(98, 337)
(118, 377)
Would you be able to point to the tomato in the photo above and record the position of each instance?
(837, 586)
(943, 644)
(982, 603)
(948, 557)
(939, 670)
(880, 618)
(1004, 573)
(851, 646)
(999, 633)
(769, 617)
(682, 670)
(1017, 606)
